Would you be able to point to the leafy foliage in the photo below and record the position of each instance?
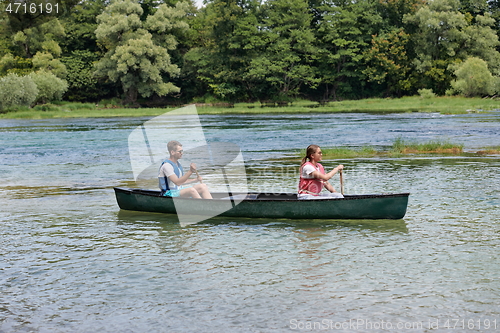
(426, 93)
(446, 36)
(50, 87)
(285, 58)
(474, 78)
(138, 51)
(41, 38)
(46, 62)
(82, 84)
(249, 50)
(388, 62)
(17, 91)
(15, 64)
(228, 40)
(345, 31)
(80, 26)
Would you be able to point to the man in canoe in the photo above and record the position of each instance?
(313, 177)
(172, 177)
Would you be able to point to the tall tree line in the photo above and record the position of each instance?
(248, 50)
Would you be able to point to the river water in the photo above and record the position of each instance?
(73, 262)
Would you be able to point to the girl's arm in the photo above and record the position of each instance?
(319, 175)
(330, 187)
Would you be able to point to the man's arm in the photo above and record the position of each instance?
(180, 180)
(185, 178)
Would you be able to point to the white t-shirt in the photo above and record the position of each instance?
(167, 170)
(307, 170)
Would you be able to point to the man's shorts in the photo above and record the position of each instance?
(172, 193)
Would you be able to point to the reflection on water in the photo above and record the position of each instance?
(72, 261)
(168, 221)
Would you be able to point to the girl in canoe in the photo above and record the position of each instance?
(313, 177)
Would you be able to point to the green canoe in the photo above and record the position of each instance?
(265, 205)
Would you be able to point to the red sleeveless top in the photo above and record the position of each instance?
(313, 185)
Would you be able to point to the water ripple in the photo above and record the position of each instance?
(71, 261)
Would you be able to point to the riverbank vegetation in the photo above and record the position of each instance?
(403, 147)
(111, 108)
(157, 53)
(494, 150)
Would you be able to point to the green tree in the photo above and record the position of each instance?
(474, 7)
(80, 52)
(285, 59)
(444, 36)
(46, 62)
(21, 19)
(80, 26)
(15, 64)
(437, 38)
(5, 33)
(227, 40)
(389, 64)
(82, 83)
(137, 51)
(482, 42)
(186, 39)
(393, 11)
(36, 48)
(494, 10)
(344, 34)
(41, 38)
(474, 78)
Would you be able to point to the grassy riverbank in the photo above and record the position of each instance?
(403, 147)
(445, 105)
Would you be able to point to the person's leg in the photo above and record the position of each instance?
(203, 190)
(190, 192)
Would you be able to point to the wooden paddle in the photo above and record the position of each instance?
(198, 175)
(341, 183)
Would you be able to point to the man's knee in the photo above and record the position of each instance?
(189, 192)
(201, 187)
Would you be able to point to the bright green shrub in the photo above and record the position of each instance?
(474, 78)
(50, 87)
(17, 91)
(426, 93)
(46, 107)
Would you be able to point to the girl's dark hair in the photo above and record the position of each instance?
(309, 151)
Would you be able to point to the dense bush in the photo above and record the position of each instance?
(50, 87)
(82, 85)
(247, 51)
(18, 65)
(46, 107)
(426, 93)
(17, 91)
(474, 79)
